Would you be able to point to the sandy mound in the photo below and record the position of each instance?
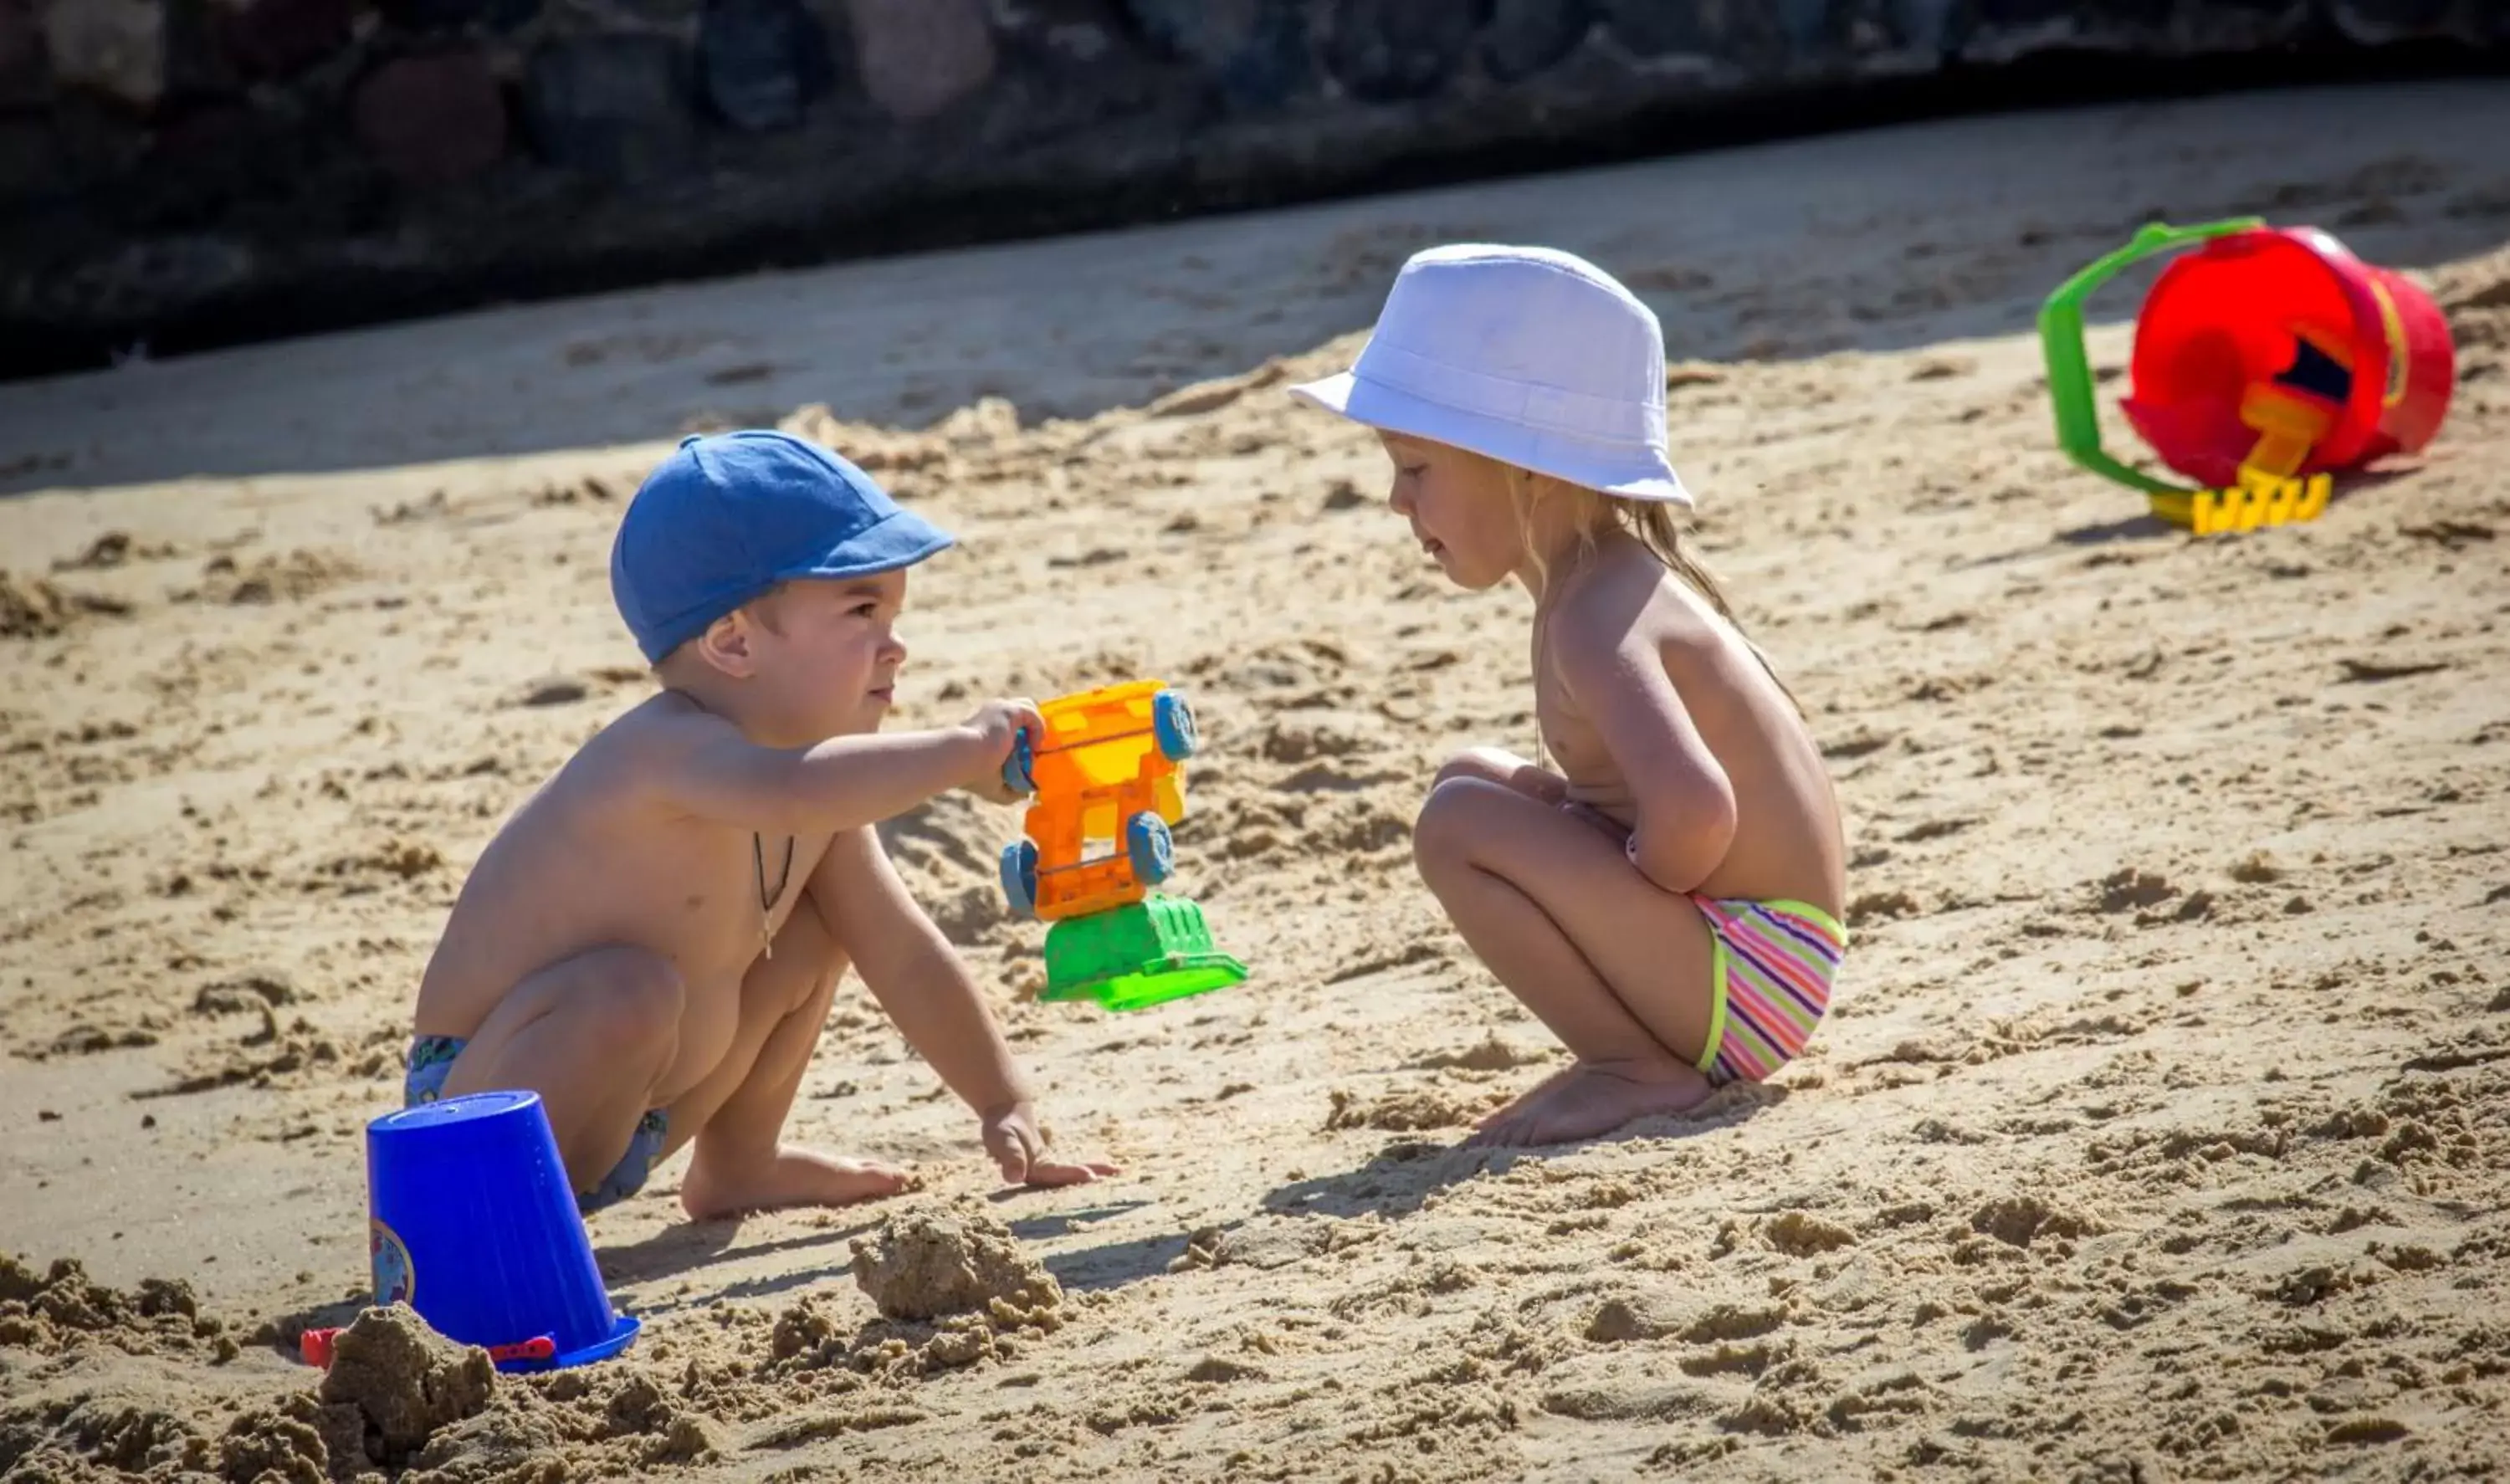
(393, 1384)
(1410, 1110)
(283, 577)
(608, 1422)
(404, 1380)
(953, 1287)
(402, 1399)
(112, 1430)
(116, 1388)
(32, 608)
(932, 1265)
(60, 1309)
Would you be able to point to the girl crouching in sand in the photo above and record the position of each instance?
(1667, 901)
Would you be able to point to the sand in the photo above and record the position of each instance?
(2159, 1131)
(925, 1265)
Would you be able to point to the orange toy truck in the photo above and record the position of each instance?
(1108, 772)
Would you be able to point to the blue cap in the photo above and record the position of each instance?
(729, 516)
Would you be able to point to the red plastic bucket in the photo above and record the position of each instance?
(2358, 354)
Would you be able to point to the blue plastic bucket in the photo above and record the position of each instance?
(471, 1222)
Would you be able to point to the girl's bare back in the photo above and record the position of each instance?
(1788, 839)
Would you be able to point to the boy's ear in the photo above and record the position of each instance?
(729, 644)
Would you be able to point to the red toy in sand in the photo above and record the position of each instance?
(2280, 350)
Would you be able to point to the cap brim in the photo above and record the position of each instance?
(1641, 475)
(899, 540)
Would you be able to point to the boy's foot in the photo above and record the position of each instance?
(795, 1176)
(1592, 1100)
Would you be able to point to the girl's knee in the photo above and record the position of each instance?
(1448, 820)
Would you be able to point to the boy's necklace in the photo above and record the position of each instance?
(765, 901)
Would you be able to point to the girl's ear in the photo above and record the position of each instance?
(730, 645)
(1524, 487)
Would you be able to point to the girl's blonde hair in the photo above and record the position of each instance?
(1650, 523)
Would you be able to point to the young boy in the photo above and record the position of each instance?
(654, 939)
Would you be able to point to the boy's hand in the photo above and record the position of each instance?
(997, 724)
(1013, 1139)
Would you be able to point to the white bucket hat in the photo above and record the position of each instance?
(1530, 356)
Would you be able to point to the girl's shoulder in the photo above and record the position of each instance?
(1618, 606)
(1626, 590)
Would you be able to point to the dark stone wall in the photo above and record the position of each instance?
(184, 173)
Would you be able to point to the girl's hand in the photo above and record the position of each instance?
(1612, 829)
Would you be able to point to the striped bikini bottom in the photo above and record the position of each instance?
(1770, 976)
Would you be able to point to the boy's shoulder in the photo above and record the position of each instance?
(639, 745)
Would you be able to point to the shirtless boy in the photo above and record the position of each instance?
(652, 942)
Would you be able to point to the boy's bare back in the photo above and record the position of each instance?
(600, 856)
(652, 942)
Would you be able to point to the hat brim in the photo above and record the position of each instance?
(1634, 475)
(896, 540)
(900, 539)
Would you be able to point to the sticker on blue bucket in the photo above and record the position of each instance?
(470, 1191)
(394, 1281)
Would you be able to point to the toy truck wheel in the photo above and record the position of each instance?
(1153, 849)
(1019, 770)
(1019, 877)
(1173, 723)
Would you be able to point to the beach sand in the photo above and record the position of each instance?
(2161, 1129)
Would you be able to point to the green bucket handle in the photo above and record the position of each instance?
(2070, 368)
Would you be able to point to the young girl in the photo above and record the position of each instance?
(1667, 899)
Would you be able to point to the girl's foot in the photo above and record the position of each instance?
(794, 1176)
(1593, 1099)
(1515, 1107)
